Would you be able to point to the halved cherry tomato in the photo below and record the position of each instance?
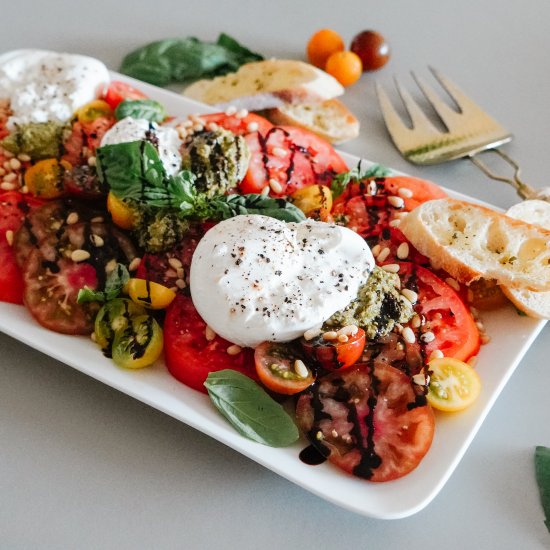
(332, 355)
(277, 369)
(189, 355)
(122, 214)
(119, 91)
(452, 328)
(367, 421)
(315, 201)
(92, 110)
(238, 124)
(453, 386)
(485, 295)
(287, 159)
(45, 178)
(149, 294)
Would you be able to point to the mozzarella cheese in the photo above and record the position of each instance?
(131, 129)
(255, 278)
(43, 85)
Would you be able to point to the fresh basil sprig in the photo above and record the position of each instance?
(113, 287)
(182, 59)
(341, 181)
(147, 109)
(250, 410)
(542, 472)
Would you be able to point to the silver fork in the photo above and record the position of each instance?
(470, 131)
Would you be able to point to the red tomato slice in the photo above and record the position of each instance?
(189, 355)
(119, 91)
(367, 420)
(85, 135)
(369, 214)
(446, 315)
(240, 125)
(293, 157)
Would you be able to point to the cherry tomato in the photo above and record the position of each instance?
(122, 214)
(92, 110)
(189, 355)
(113, 316)
(332, 355)
(287, 159)
(315, 201)
(322, 45)
(368, 421)
(453, 385)
(45, 178)
(346, 67)
(119, 91)
(149, 294)
(485, 295)
(372, 48)
(239, 125)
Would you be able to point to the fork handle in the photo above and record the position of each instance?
(523, 190)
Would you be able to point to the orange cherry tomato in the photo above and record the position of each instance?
(45, 178)
(346, 67)
(122, 214)
(280, 370)
(333, 354)
(322, 45)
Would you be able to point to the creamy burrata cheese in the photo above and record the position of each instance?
(255, 278)
(167, 140)
(43, 85)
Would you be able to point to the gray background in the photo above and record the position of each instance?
(83, 466)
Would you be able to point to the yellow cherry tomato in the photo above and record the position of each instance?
(322, 45)
(122, 214)
(346, 67)
(454, 385)
(92, 110)
(44, 179)
(315, 201)
(149, 294)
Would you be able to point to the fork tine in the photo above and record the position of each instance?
(449, 117)
(393, 121)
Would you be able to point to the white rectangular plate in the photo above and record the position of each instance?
(511, 336)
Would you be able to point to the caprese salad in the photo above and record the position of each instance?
(240, 250)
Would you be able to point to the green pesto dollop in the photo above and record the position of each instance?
(378, 306)
(158, 230)
(39, 140)
(219, 159)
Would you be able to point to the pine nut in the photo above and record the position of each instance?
(10, 177)
(348, 330)
(175, 263)
(421, 379)
(411, 295)
(405, 193)
(395, 223)
(265, 191)
(92, 161)
(403, 251)
(453, 283)
(252, 127)
(110, 266)
(276, 187)
(97, 240)
(180, 283)
(15, 164)
(8, 186)
(384, 253)
(72, 218)
(312, 333)
(97, 219)
(134, 264)
(79, 255)
(242, 113)
(279, 152)
(9, 237)
(23, 157)
(330, 335)
(234, 350)
(209, 333)
(231, 110)
(300, 368)
(408, 335)
(343, 338)
(376, 250)
(436, 354)
(391, 268)
(428, 337)
(396, 202)
(415, 321)
(372, 188)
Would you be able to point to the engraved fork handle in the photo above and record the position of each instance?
(523, 190)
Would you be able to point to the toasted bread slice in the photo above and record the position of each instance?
(534, 304)
(265, 85)
(470, 241)
(330, 119)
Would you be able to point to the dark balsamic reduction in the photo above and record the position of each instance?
(312, 456)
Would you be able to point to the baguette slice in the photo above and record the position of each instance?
(534, 304)
(330, 119)
(470, 241)
(265, 85)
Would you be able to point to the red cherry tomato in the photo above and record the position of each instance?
(372, 48)
(332, 355)
(240, 125)
(368, 421)
(287, 159)
(189, 355)
(276, 369)
(119, 91)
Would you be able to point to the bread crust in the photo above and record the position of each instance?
(471, 241)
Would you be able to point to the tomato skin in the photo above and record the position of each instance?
(293, 157)
(333, 355)
(322, 45)
(283, 379)
(118, 91)
(346, 67)
(189, 355)
(367, 421)
(372, 48)
(239, 125)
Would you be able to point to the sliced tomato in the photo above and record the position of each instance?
(291, 157)
(366, 206)
(189, 355)
(366, 420)
(277, 368)
(239, 125)
(84, 139)
(332, 355)
(119, 91)
(447, 320)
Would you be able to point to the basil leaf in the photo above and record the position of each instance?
(542, 472)
(147, 109)
(113, 287)
(178, 60)
(251, 411)
(228, 206)
(341, 181)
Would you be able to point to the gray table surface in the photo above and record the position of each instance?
(84, 466)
